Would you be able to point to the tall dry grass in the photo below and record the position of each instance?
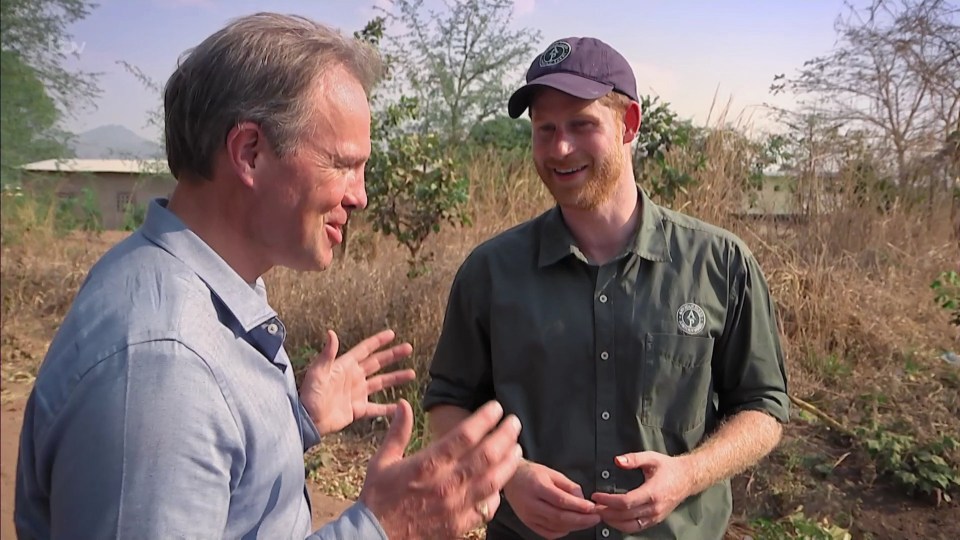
(851, 286)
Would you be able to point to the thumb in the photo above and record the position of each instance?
(638, 460)
(397, 438)
(330, 350)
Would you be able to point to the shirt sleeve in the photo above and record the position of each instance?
(355, 523)
(308, 429)
(145, 448)
(750, 370)
(461, 372)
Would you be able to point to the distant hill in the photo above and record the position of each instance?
(114, 142)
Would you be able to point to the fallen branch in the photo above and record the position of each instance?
(833, 424)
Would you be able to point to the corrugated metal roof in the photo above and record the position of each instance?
(129, 166)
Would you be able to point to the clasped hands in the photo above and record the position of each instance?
(553, 506)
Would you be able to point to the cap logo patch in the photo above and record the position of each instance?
(556, 53)
(691, 319)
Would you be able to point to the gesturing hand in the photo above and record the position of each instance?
(447, 488)
(336, 391)
(667, 484)
(548, 502)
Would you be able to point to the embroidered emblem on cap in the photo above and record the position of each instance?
(691, 319)
(555, 53)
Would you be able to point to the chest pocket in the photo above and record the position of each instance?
(675, 381)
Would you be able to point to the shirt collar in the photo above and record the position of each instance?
(248, 303)
(649, 241)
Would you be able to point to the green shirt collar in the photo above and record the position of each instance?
(650, 241)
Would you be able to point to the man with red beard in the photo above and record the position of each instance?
(638, 346)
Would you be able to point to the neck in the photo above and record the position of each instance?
(603, 232)
(216, 216)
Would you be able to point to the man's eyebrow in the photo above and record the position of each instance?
(349, 160)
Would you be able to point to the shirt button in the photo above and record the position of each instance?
(272, 329)
(605, 532)
(605, 415)
(604, 355)
(604, 474)
(603, 299)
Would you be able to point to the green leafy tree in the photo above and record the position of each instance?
(28, 117)
(413, 184)
(457, 61)
(502, 133)
(660, 131)
(37, 89)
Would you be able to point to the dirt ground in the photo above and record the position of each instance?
(325, 507)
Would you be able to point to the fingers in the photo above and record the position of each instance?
(646, 512)
(567, 496)
(575, 521)
(378, 409)
(468, 434)
(371, 344)
(616, 502)
(389, 380)
(379, 360)
(396, 439)
(638, 460)
(488, 507)
(494, 461)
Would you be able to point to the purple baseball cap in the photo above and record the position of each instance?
(586, 68)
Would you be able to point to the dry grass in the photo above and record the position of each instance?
(861, 331)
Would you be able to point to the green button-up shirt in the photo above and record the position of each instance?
(647, 352)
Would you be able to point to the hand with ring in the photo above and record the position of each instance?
(484, 510)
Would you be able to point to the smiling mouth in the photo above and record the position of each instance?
(568, 172)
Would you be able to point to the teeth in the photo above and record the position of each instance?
(568, 171)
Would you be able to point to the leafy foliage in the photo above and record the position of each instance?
(660, 131)
(918, 468)
(947, 290)
(37, 89)
(413, 185)
(799, 527)
(456, 61)
(28, 117)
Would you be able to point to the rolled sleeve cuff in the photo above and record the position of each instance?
(442, 392)
(355, 523)
(776, 405)
(308, 429)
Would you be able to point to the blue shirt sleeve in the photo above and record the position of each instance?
(145, 448)
(355, 523)
(311, 437)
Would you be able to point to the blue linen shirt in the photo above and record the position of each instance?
(166, 407)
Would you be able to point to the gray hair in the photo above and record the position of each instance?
(260, 69)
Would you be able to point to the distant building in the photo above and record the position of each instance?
(119, 185)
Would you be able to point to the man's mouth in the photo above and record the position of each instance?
(569, 171)
(335, 231)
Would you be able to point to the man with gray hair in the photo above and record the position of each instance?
(166, 406)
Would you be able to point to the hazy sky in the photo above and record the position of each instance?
(686, 51)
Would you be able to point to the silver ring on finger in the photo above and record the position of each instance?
(640, 523)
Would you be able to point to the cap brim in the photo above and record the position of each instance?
(565, 82)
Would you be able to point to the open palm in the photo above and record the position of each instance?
(336, 391)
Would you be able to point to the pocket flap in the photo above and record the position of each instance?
(682, 351)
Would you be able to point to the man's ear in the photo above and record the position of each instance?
(245, 147)
(631, 122)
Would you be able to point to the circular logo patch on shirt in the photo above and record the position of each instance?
(556, 53)
(691, 319)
